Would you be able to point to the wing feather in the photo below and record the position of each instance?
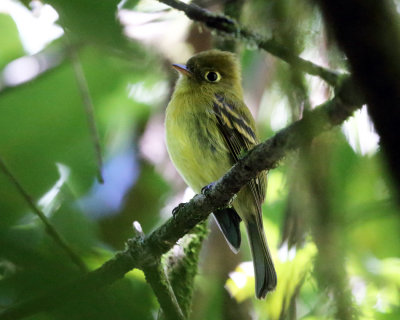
(238, 132)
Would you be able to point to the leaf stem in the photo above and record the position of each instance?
(89, 109)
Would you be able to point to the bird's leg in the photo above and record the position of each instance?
(177, 208)
(205, 190)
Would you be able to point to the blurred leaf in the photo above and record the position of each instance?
(125, 299)
(292, 268)
(143, 203)
(90, 20)
(128, 4)
(11, 47)
(43, 122)
(291, 273)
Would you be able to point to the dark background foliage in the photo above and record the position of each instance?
(330, 215)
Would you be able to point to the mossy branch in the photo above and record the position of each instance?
(159, 282)
(140, 253)
(231, 28)
(183, 264)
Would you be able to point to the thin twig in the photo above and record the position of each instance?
(230, 27)
(156, 277)
(89, 109)
(158, 280)
(139, 254)
(50, 229)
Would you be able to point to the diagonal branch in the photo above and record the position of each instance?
(140, 253)
(156, 277)
(159, 282)
(231, 28)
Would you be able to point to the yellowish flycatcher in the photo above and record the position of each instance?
(208, 128)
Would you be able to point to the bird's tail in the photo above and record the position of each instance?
(264, 269)
(228, 221)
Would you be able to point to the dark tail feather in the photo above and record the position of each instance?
(228, 221)
(264, 270)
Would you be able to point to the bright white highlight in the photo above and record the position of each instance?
(358, 289)
(285, 254)
(36, 28)
(150, 22)
(140, 93)
(20, 71)
(360, 133)
(48, 203)
(137, 227)
(238, 278)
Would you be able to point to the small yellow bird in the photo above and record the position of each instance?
(208, 128)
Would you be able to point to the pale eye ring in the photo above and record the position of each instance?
(212, 76)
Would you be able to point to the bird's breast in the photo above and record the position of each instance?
(195, 144)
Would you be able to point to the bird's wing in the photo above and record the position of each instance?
(238, 129)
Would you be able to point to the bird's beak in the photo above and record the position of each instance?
(182, 69)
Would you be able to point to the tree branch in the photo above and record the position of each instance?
(183, 263)
(140, 253)
(233, 9)
(229, 27)
(156, 277)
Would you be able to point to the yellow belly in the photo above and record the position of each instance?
(196, 146)
(198, 149)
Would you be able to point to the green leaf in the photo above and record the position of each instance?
(91, 20)
(11, 47)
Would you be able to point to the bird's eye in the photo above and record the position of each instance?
(212, 76)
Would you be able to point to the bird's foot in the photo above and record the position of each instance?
(177, 208)
(205, 190)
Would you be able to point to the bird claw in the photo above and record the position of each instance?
(205, 190)
(177, 208)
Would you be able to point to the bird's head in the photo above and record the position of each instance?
(213, 70)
